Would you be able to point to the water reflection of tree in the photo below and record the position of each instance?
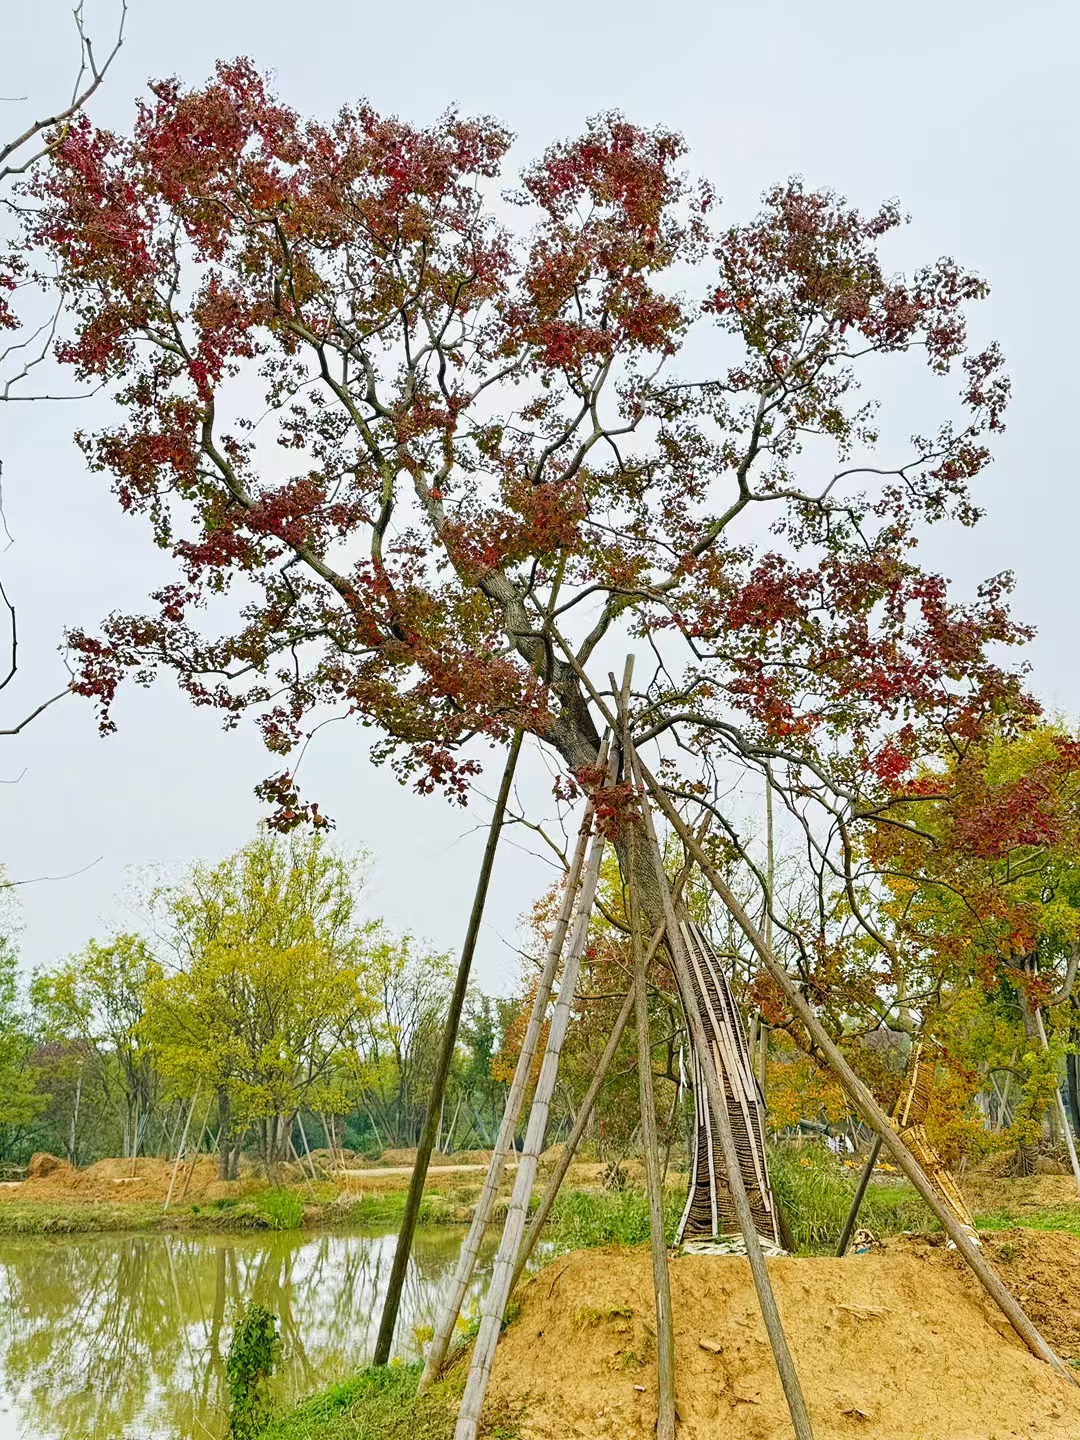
(128, 1334)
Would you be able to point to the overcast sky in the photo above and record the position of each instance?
(967, 112)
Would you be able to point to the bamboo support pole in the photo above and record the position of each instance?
(862, 1098)
(785, 1365)
(180, 1148)
(536, 1224)
(860, 1192)
(866, 1104)
(195, 1152)
(485, 1203)
(402, 1250)
(1066, 1128)
(665, 1335)
(499, 1288)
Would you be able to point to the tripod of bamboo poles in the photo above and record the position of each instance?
(858, 1093)
(641, 841)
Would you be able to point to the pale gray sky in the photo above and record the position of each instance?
(965, 111)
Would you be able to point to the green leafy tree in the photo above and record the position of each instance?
(273, 978)
(95, 1002)
(397, 1040)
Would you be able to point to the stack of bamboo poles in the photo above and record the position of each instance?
(733, 1125)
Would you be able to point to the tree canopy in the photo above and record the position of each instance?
(474, 438)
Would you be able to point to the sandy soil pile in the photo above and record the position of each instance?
(1040, 1267)
(890, 1346)
(50, 1178)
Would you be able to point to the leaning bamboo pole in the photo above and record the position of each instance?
(864, 1101)
(558, 1175)
(413, 1199)
(785, 1365)
(536, 1224)
(665, 1335)
(180, 1148)
(494, 1305)
(485, 1204)
(195, 1152)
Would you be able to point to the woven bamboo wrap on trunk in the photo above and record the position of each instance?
(710, 1210)
(911, 1111)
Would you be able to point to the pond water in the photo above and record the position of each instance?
(111, 1336)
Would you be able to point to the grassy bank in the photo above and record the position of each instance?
(376, 1405)
(269, 1210)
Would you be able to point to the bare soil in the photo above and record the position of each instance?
(50, 1178)
(894, 1345)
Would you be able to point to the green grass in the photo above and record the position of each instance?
(284, 1210)
(815, 1192)
(271, 1209)
(1065, 1218)
(814, 1189)
(585, 1219)
(382, 1404)
(47, 1217)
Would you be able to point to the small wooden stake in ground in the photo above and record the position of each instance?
(485, 1203)
(442, 1068)
(860, 1192)
(498, 1292)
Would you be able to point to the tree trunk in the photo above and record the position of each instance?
(224, 1135)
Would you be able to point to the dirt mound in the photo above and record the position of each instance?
(888, 1347)
(42, 1164)
(397, 1158)
(1040, 1267)
(114, 1180)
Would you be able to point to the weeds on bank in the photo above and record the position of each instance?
(382, 1404)
(815, 1192)
(585, 1219)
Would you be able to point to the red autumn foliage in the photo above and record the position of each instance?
(466, 427)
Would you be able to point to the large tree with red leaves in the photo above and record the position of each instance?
(416, 443)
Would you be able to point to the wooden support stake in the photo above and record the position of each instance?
(785, 1365)
(445, 1060)
(856, 1204)
(180, 1148)
(494, 1306)
(485, 1204)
